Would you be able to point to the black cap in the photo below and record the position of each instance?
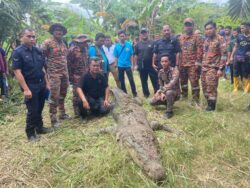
(144, 30)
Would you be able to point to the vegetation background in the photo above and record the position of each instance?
(212, 152)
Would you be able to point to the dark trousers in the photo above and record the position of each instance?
(231, 73)
(241, 69)
(129, 73)
(35, 107)
(96, 107)
(3, 86)
(144, 73)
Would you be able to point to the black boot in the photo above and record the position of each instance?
(44, 130)
(31, 135)
(168, 115)
(211, 104)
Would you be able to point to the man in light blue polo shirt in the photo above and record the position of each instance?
(123, 53)
(97, 51)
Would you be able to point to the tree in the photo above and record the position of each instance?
(12, 16)
(239, 9)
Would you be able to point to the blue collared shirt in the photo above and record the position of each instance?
(124, 54)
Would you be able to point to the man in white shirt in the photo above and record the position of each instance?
(108, 48)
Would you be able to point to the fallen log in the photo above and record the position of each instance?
(133, 131)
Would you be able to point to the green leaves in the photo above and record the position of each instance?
(239, 9)
(12, 16)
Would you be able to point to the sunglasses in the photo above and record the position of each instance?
(31, 36)
(188, 24)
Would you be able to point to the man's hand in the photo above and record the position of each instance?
(163, 97)
(228, 62)
(106, 103)
(157, 95)
(158, 92)
(48, 86)
(155, 67)
(134, 68)
(219, 73)
(197, 65)
(85, 105)
(248, 53)
(27, 94)
(231, 59)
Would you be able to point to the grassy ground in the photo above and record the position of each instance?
(214, 150)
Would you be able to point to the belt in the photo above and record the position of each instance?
(35, 81)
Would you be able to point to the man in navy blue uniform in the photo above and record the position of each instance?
(28, 65)
(167, 45)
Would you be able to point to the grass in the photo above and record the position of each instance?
(212, 152)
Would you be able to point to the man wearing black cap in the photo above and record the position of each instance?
(56, 53)
(167, 45)
(143, 57)
(77, 65)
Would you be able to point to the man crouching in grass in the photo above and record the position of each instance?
(93, 91)
(169, 90)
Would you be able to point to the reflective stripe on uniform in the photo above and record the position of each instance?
(195, 88)
(212, 98)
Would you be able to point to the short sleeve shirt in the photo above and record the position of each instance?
(144, 51)
(109, 51)
(243, 42)
(123, 53)
(167, 46)
(93, 87)
(29, 61)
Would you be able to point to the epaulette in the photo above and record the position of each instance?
(17, 48)
(38, 49)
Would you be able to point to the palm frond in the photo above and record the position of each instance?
(239, 9)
